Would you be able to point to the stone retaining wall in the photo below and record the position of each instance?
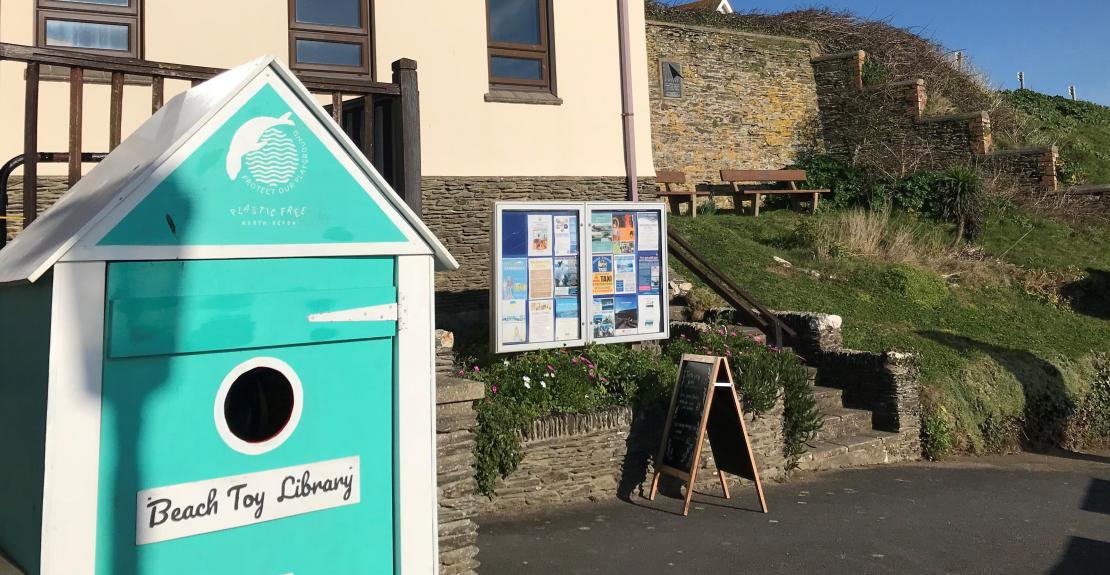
(888, 383)
(458, 210)
(50, 189)
(749, 101)
(609, 453)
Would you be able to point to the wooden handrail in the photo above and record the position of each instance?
(401, 97)
(734, 295)
(135, 67)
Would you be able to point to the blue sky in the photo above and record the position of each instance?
(1055, 43)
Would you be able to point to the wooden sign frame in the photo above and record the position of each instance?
(720, 377)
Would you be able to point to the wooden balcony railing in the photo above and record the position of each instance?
(355, 104)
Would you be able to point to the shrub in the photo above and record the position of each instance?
(936, 433)
(1091, 424)
(922, 287)
(701, 298)
(960, 195)
(521, 388)
(801, 417)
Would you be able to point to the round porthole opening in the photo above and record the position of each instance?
(259, 405)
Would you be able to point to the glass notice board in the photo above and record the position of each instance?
(567, 274)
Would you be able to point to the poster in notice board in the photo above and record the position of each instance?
(537, 289)
(568, 273)
(628, 272)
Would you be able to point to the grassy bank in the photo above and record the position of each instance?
(1006, 356)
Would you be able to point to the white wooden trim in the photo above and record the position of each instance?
(143, 253)
(70, 490)
(416, 511)
(384, 312)
(496, 337)
(664, 280)
(365, 176)
(220, 416)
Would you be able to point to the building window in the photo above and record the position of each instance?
(331, 36)
(519, 36)
(102, 26)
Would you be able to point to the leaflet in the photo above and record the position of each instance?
(541, 320)
(625, 275)
(566, 319)
(650, 314)
(602, 274)
(647, 234)
(540, 279)
(514, 325)
(566, 235)
(539, 235)
(566, 276)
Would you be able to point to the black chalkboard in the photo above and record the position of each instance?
(687, 412)
(705, 404)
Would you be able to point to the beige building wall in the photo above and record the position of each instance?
(462, 134)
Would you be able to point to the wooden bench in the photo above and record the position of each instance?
(676, 198)
(735, 178)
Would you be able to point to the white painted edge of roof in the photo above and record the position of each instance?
(20, 264)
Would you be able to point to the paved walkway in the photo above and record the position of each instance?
(1015, 514)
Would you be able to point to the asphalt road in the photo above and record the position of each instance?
(1015, 514)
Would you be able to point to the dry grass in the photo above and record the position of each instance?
(875, 235)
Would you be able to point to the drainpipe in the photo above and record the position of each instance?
(626, 102)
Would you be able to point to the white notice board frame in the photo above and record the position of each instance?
(664, 295)
(497, 274)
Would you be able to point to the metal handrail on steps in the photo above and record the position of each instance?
(13, 164)
(743, 302)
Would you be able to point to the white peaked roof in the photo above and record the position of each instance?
(47, 240)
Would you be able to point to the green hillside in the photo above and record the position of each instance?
(1080, 129)
(1013, 332)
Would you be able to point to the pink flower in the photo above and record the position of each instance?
(493, 388)
(549, 368)
(476, 368)
(604, 380)
(461, 371)
(733, 334)
(574, 361)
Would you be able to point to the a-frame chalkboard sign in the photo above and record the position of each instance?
(705, 402)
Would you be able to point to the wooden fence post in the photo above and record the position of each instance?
(406, 134)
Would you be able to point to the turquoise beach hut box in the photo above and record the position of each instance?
(216, 353)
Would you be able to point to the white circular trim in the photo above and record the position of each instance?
(294, 418)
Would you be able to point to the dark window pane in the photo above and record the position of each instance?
(516, 21)
(518, 68)
(333, 53)
(92, 35)
(101, 2)
(330, 12)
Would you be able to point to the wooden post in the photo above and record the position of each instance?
(157, 93)
(1021, 80)
(115, 122)
(337, 108)
(30, 145)
(368, 128)
(406, 134)
(76, 107)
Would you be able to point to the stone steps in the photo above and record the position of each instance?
(828, 398)
(867, 448)
(843, 422)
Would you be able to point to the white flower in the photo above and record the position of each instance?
(506, 362)
(543, 384)
(527, 385)
(526, 379)
(548, 374)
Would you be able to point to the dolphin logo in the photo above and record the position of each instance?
(246, 140)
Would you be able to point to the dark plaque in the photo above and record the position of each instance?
(689, 408)
(671, 74)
